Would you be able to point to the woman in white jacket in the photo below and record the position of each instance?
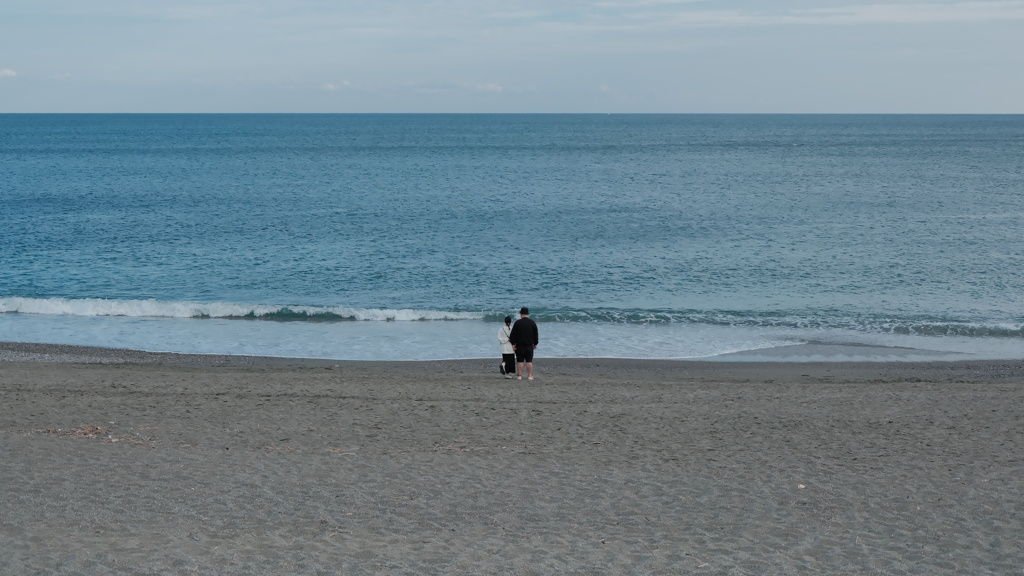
(508, 355)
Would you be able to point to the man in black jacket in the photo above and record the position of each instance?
(524, 339)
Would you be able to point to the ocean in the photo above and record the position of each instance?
(410, 237)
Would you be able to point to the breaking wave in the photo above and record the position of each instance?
(804, 320)
(799, 320)
(227, 310)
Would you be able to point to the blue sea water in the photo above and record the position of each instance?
(409, 237)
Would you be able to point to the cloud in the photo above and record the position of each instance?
(441, 87)
(917, 13)
(893, 13)
(7, 73)
(638, 3)
(643, 15)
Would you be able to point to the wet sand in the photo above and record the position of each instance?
(122, 462)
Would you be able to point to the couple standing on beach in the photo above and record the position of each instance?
(518, 342)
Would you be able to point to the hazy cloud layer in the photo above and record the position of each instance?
(514, 55)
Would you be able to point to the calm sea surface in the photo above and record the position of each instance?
(411, 236)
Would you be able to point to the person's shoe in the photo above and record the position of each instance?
(519, 377)
(508, 376)
(501, 368)
(530, 378)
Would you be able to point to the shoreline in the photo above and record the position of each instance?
(852, 371)
(433, 340)
(125, 462)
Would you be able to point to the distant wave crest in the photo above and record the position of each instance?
(803, 320)
(228, 310)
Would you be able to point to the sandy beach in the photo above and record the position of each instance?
(122, 462)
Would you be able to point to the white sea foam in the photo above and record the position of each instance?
(96, 307)
(478, 339)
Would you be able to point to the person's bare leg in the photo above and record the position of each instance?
(519, 370)
(529, 370)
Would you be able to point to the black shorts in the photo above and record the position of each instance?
(524, 353)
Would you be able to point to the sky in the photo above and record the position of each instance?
(643, 56)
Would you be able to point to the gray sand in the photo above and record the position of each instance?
(138, 463)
